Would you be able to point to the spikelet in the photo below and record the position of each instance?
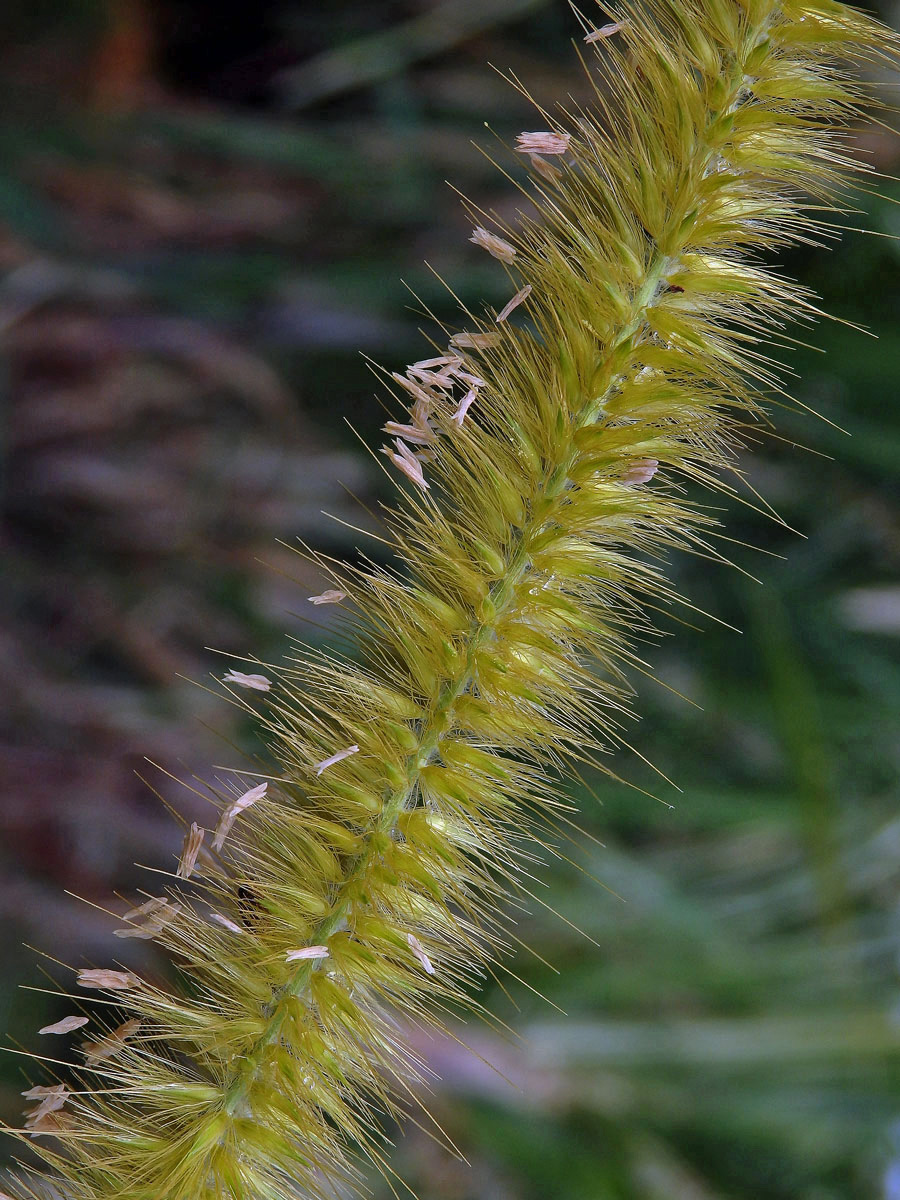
(372, 878)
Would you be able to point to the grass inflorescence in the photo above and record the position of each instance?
(545, 456)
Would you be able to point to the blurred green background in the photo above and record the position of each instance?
(206, 212)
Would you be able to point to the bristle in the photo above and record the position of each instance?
(546, 465)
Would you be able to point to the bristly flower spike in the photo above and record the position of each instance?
(414, 784)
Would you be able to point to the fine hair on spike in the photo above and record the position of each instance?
(546, 467)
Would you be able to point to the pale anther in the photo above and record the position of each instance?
(226, 923)
(335, 758)
(406, 461)
(236, 806)
(543, 143)
(521, 294)
(494, 245)
(149, 906)
(641, 471)
(49, 1122)
(42, 1090)
(158, 917)
(605, 31)
(422, 435)
(117, 981)
(475, 341)
(445, 360)
(432, 379)
(51, 1099)
(111, 1043)
(472, 380)
(416, 946)
(415, 389)
(306, 952)
(465, 404)
(190, 850)
(257, 683)
(329, 596)
(66, 1025)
